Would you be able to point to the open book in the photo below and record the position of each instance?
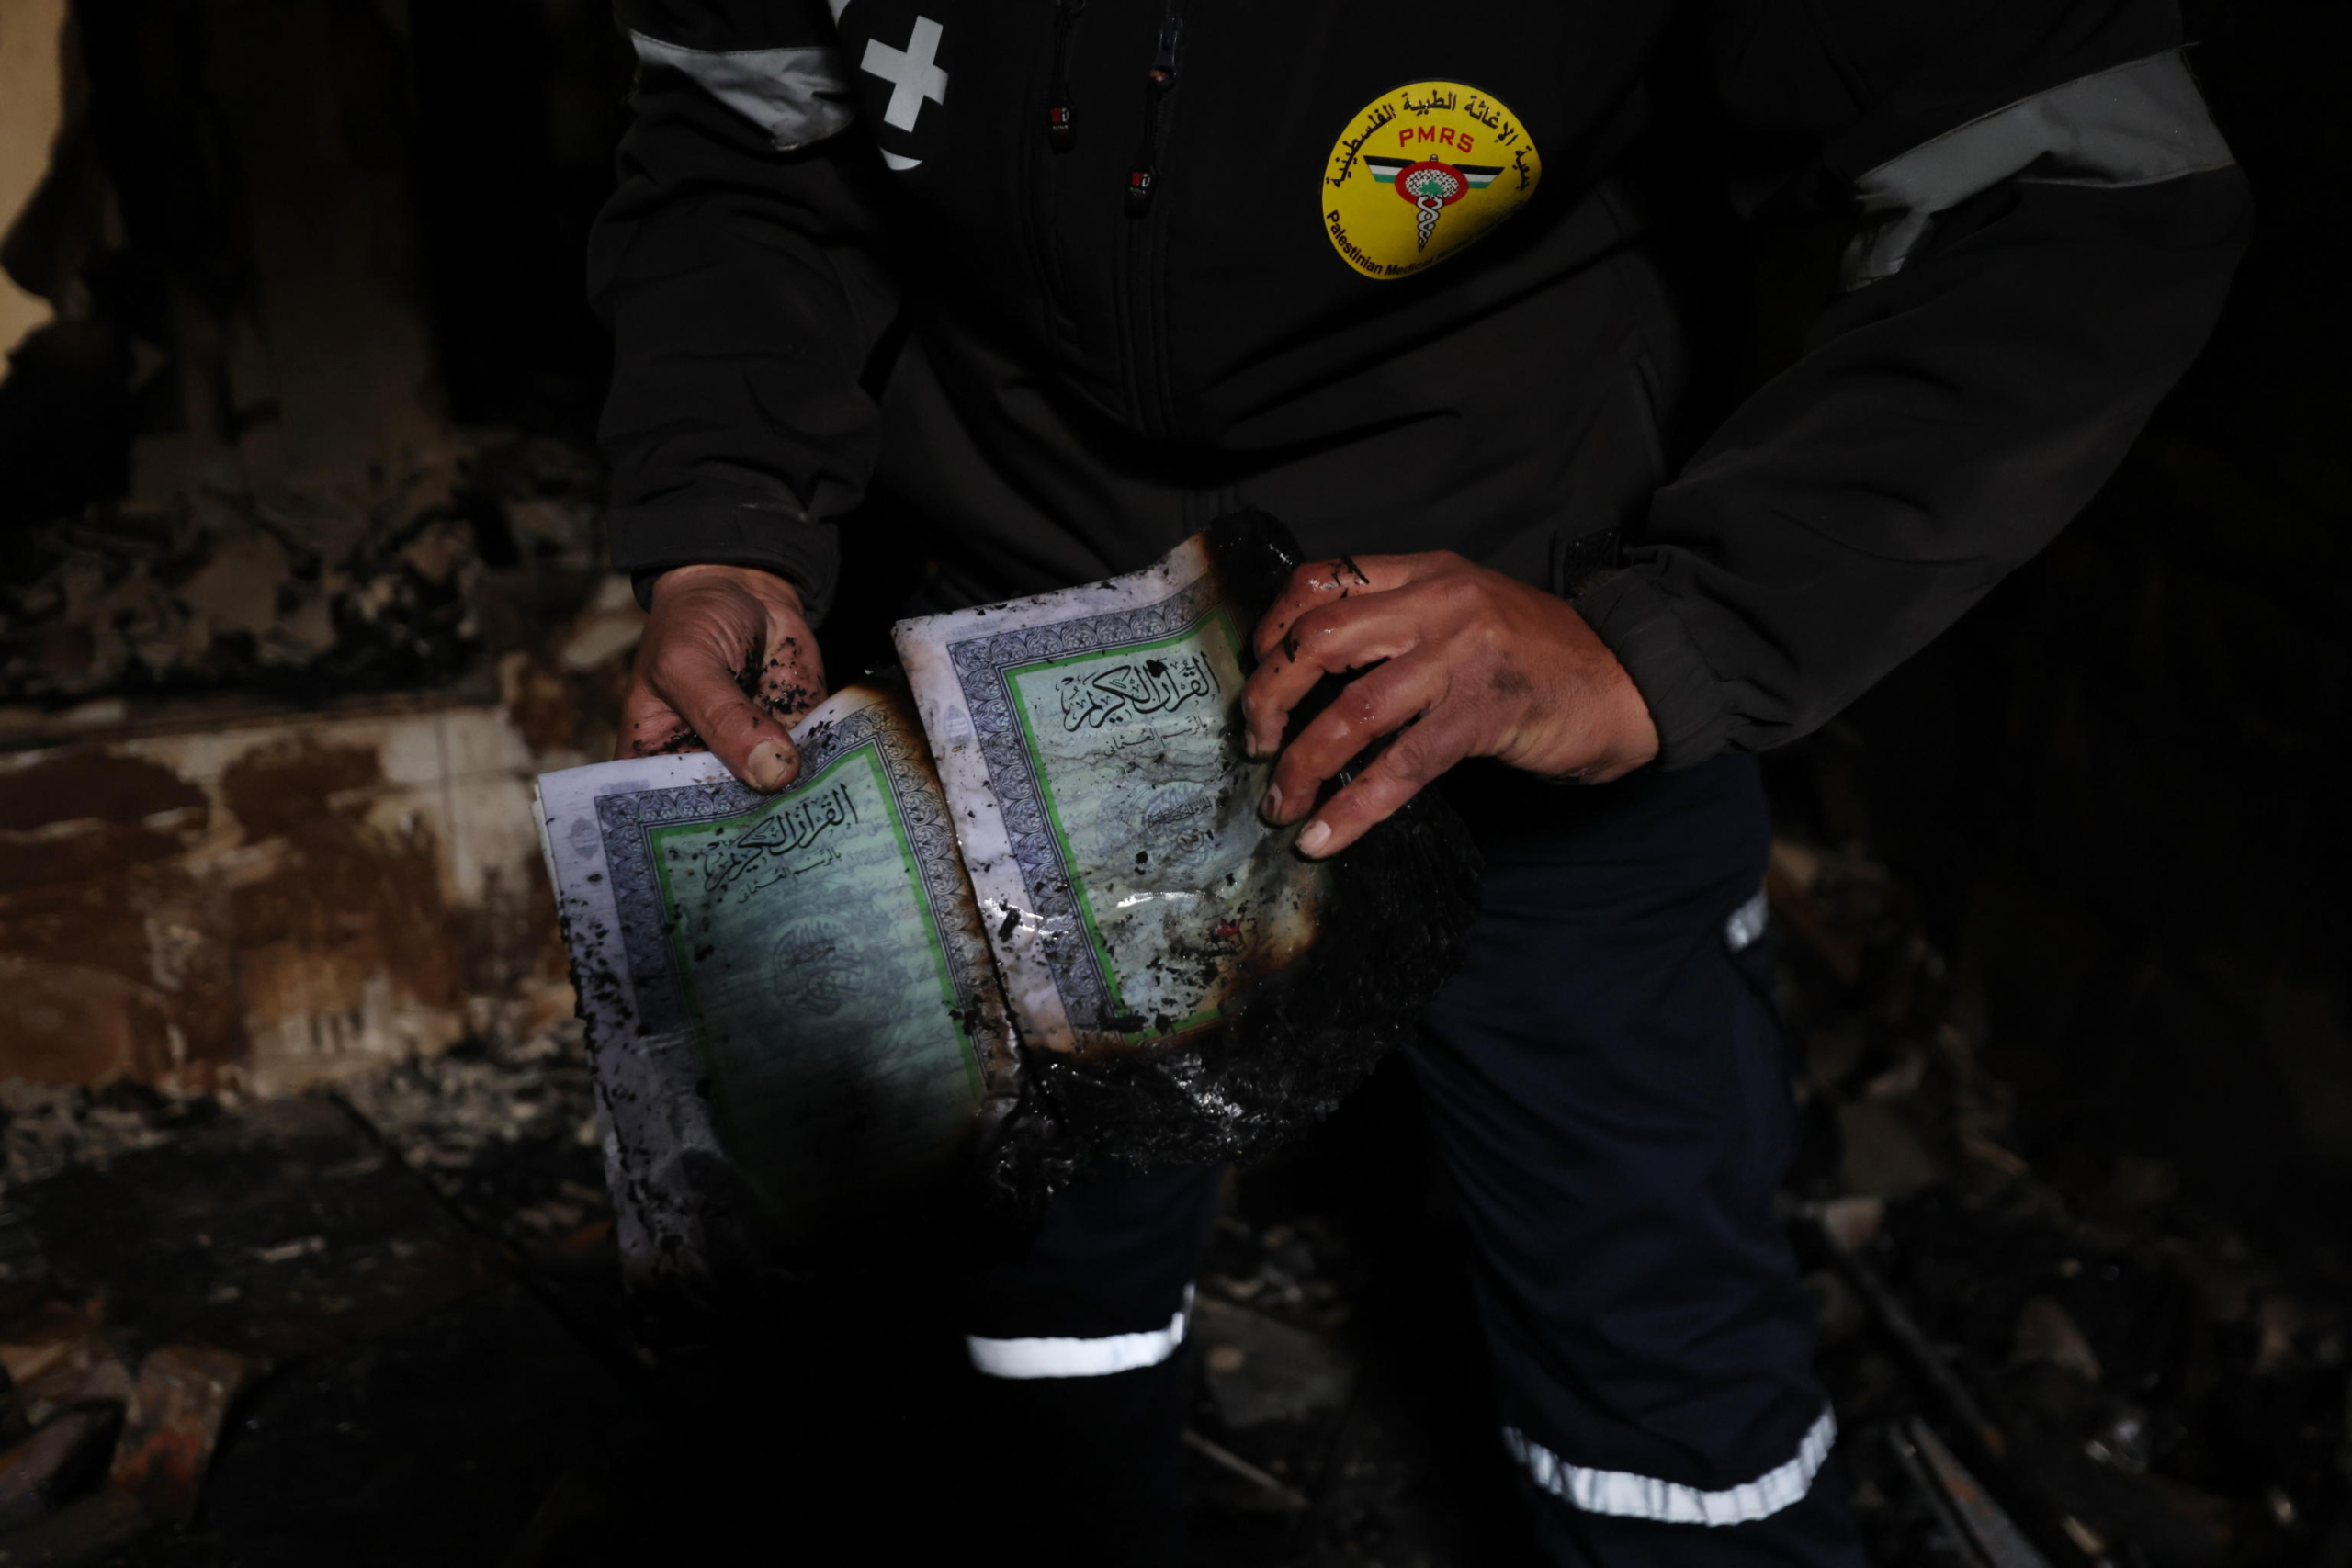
(1020, 909)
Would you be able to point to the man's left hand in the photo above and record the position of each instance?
(1477, 664)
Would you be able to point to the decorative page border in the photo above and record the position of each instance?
(983, 667)
(628, 819)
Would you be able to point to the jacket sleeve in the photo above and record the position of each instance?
(2045, 222)
(742, 269)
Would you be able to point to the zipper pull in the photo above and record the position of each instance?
(1145, 176)
(1061, 130)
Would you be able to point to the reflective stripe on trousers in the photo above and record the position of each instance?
(1632, 1496)
(1063, 1356)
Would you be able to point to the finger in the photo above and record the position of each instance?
(755, 747)
(1412, 760)
(1329, 640)
(1327, 581)
(1377, 703)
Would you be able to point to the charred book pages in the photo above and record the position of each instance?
(1185, 985)
(792, 1017)
(1018, 917)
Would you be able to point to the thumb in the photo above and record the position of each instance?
(755, 748)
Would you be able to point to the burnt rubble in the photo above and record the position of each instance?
(217, 1297)
(400, 582)
(2130, 1371)
(2087, 1363)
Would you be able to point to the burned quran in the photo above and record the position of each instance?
(1018, 916)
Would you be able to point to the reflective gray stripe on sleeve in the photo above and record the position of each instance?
(797, 96)
(1630, 1497)
(2135, 125)
(1073, 1358)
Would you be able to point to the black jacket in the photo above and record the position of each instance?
(1069, 279)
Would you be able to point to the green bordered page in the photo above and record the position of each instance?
(1089, 743)
(797, 981)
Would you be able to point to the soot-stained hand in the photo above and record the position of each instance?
(1453, 660)
(728, 664)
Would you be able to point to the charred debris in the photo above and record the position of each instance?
(405, 1289)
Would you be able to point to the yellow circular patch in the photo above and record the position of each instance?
(1422, 171)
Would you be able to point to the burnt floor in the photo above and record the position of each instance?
(419, 1271)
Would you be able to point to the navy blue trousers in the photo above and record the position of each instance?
(1608, 1086)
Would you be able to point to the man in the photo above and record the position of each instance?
(1065, 281)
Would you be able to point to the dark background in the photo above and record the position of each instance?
(2110, 785)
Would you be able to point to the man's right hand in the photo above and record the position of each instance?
(728, 664)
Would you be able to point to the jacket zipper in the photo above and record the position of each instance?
(1157, 85)
(1061, 130)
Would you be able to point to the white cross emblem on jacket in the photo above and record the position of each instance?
(909, 71)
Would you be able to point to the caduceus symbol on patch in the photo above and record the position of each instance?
(1431, 187)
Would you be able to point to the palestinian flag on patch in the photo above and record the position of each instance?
(1385, 170)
